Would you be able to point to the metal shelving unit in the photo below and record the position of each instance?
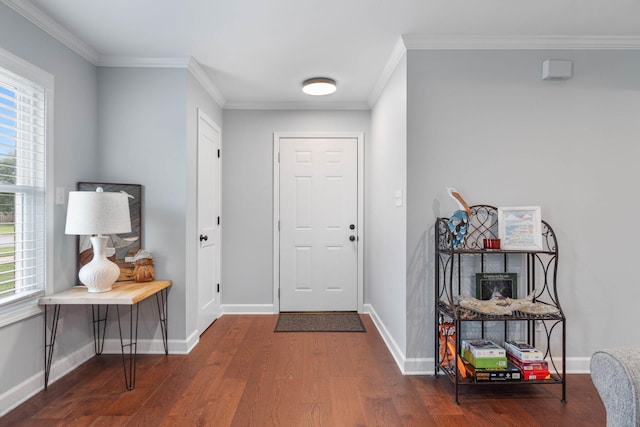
(454, 280)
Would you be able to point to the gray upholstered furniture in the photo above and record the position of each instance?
(616, 374)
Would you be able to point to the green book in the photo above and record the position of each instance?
(484, 362)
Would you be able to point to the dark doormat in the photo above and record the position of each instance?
(319, 322)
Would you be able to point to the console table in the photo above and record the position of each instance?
(123, 293)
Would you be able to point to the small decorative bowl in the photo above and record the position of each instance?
(491, 243)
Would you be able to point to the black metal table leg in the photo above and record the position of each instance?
(132, 345)
(48, 343)
(98, 341)
(161, 300)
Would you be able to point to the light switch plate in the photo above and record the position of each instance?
(60, 195)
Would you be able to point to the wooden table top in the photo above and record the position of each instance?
(124, 293)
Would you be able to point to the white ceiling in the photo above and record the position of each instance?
(257, 52)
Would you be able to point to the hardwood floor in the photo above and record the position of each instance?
(243, 374)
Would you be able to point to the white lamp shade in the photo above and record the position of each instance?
(97, 212)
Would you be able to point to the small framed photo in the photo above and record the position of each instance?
(520, 228)
(496, 286)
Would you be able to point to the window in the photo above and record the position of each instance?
(24, 110)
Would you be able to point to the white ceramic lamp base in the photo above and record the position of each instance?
(100, 274)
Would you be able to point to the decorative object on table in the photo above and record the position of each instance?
(98, 214)
(491, 244)
(143, 270)
(122, 245)
(459, 221)
(519, 228)
(496, 286)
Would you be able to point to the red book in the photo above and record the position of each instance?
(536, 375)
(539, 365)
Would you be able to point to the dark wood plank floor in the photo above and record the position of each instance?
(243, 374)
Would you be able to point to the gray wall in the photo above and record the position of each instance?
(75, 159)
(148, 136)
(386, 235)
(142, 134)
(247, 192)
(485, 122)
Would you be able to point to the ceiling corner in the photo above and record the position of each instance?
(51, 27)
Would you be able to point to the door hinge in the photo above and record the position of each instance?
(278, 225)
(218, 287)
(218, 220)
(278, 292)
(218, 153)
(278, 157)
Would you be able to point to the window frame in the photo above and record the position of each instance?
(14, 310)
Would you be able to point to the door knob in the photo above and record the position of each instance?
(204, 238)
(352, 238)
(352, 227)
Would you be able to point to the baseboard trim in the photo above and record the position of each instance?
(59, 368)
(248, 309)
(426, 366)
(408, 366)
(391, 344)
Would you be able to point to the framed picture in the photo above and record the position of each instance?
(496, 286)
(120, 247)
(520, 228)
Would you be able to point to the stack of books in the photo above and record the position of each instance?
(487, 361)
(528, 359)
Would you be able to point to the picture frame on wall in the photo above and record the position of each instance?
(520, 228)
(496, 286)
(120, 247)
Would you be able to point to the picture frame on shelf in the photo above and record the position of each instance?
(496, 286)
(520, 228)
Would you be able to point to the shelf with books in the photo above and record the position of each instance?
(526, 309)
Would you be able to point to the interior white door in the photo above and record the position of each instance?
(318, 224)
(208, 222)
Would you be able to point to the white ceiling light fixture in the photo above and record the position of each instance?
(319, 86)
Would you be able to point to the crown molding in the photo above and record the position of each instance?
(296, 106)
(54, 29)
(202, 77)
(142, 62)
(439, 42)
(397, 54)
(177, 62)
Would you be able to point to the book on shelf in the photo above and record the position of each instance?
(509, 373)
(537, 365)
(523, 351)
(484, 362)
(483, 348)
(536, 375)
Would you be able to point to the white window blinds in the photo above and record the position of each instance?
(22, 187)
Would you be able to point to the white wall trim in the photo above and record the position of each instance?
(425, 365)
(54, 29)
(202, 77)
(397, 54)
(333, 106)
(453, 42)
(276, 203)
(59, 368)
(172, 62)
(248, 309)
(391, 344)
(133, 62)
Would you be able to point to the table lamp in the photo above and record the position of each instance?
(96, 214)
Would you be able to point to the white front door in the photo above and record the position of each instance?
(208, 222)
(318, 224)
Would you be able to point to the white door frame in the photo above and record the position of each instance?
(276, 207)
(202, 116)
